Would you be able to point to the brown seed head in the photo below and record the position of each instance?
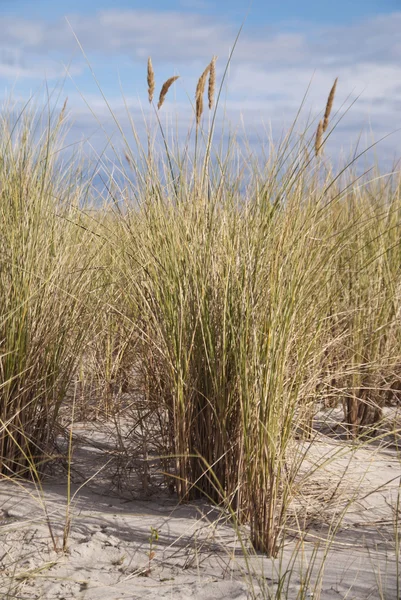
(64, 106)
(200, 89)
(128, 158)
(212, 82)
(165, 89)
(319, 136)
(63, 111)
(329, 105)
(151, 80)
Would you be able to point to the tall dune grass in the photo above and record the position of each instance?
(258, 309)
(44, 284)
(243, 305)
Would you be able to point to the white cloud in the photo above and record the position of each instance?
(173, 35)
(42, 69)
(270, 73)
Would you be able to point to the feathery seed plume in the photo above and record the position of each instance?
(319, 136)
(329, 105)
(212, 82)
(63, 111)
(151, 80)
(200, 88)
(165, 89)
(128, 158)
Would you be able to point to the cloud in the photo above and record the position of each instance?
(31, 69)
(271, 69)
(180, 36)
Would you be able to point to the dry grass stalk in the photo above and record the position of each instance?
(212, 82)
(128, 159)
(329, 105)
(166, 86)
(200, 89)
(63, 111)
(319, 138)
(64, 106)
(151, 80)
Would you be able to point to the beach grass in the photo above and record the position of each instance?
(232, 305)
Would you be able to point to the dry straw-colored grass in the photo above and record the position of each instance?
(324, 123)
(200, 89)
(329, 106)
(63, 111)
(319, 138)
(165, 88)
(151, 80)
(239, 328)
(212, 82)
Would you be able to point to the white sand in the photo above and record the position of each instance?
(197, 555)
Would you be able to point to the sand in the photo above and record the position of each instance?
(198, 552)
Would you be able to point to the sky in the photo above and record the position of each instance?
(286, 48)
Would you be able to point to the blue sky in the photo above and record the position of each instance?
(261, 11)
(285, 46)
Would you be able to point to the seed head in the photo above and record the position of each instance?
(212, 82)
(165, 88)
(151, 80)
(319, 136)
(329, 105)
(200, 89)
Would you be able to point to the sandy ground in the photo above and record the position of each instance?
(198, 554)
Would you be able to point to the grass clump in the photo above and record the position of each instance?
(247, 320)
(44, 285)
(240, 298)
